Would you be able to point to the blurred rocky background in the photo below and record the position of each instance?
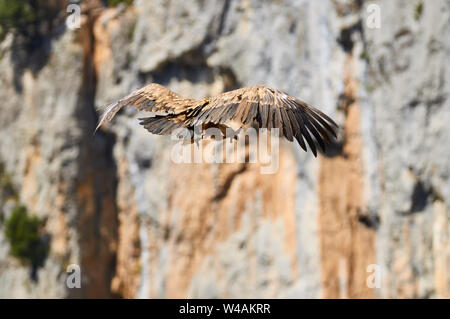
(141, 226)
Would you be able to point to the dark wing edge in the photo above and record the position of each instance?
(314, 126)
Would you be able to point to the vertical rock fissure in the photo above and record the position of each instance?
(96, 189)
(347, 245)
(343, 238)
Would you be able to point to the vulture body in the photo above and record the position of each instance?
(257, 106)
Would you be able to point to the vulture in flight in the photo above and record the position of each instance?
(255, 106)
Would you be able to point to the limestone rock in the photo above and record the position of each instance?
(142, 226)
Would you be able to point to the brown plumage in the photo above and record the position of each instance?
(257, 106)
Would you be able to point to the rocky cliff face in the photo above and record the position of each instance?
(140, 225)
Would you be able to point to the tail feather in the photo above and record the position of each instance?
(161, 124)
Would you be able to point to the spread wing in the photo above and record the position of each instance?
(150, 98)
(269, 108)
(260, 105)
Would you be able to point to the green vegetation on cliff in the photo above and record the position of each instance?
(116, 2)
(23, 234)
(27, 17)
(7, 190)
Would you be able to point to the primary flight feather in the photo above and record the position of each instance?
(258, 106)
